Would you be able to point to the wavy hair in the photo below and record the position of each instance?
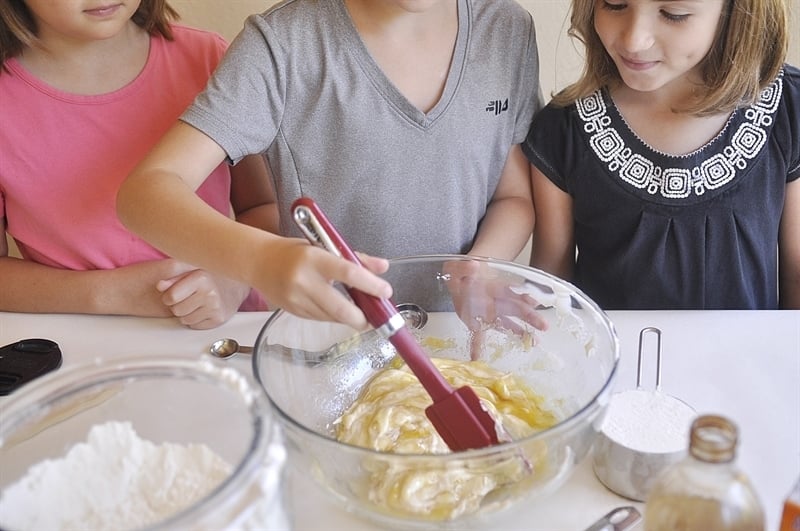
(747, 53)
(18, 26)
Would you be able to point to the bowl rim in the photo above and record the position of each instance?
(25, 403)
(564, 425)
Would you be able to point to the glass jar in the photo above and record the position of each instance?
(790, 519)
(143, 428)
(705, 490)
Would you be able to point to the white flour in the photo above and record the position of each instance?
(648, 421)
(115, 480)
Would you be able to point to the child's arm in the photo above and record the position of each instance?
(502, 234)
(203, 300)
(508, 221)
(253, 194)
(27, 286)
(158, 202)
(789, 248)
(553, 248)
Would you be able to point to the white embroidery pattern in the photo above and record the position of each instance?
(677, 183)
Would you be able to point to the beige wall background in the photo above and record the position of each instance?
(560, 60)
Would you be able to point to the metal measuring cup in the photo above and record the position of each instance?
(643, 432)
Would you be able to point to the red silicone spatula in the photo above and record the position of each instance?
(456, 414)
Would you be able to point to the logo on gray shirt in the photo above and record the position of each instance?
(497, 106)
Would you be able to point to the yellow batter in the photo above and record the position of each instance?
(389, 416)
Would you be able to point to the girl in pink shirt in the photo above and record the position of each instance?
(86, 90)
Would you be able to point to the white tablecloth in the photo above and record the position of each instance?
(742, 364)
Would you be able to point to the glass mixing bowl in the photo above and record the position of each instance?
(168, 404)
(459, 308)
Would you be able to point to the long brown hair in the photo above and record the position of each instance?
(748, 52)
(18, 27)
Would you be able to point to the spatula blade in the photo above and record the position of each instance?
(462, 422)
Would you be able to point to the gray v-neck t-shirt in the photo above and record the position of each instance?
(299, 85)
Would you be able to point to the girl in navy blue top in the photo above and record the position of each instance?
(666, 177)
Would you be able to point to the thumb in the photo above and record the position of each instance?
(164, 285)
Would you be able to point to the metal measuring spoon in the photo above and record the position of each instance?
(618, 519)
(414, 315)
(227, 347)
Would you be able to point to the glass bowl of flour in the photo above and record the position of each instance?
(140, 444)
(353, 415)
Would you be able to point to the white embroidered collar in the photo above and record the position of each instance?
(675, 182)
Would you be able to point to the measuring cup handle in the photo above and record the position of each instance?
(642, 333)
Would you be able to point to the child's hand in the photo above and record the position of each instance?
(299, 278)
(201, 300)
(484, 300)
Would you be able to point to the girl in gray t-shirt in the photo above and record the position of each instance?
(403, 124)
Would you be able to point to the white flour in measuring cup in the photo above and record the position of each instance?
(648, 421)
(642, 433)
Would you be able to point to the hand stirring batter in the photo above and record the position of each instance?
(457, 414)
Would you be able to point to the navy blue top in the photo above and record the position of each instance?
(655, 231)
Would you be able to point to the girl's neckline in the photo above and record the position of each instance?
(688, 179)
(361, 53)
(48, 89)
(691, 154)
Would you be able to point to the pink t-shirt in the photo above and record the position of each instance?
(63, 156)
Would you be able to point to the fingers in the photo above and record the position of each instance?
(164, 285)
(315, 296)
(476, 343)
(200, 300)
(302, 281)
(523, 307)
(200, 310)
(506, 322)
(373, 263)
(329, 304)
(484, 303)
(361, 278)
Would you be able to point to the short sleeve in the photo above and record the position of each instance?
(531, 88)
(240, 108)
(788, 125)
(552, 145)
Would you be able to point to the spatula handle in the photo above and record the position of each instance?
(421, 365)
(380, 313)
(319, 230)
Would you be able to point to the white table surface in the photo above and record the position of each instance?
(741, 364)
